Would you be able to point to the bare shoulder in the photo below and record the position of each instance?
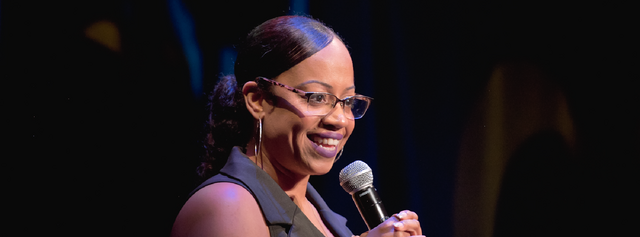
(220, 209)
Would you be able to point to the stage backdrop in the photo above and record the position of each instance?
(491, 118)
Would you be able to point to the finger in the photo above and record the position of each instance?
(406, 214)
(399, 216)
(401, 234)
(410, 226)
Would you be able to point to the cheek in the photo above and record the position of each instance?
(283, 124)
(350, 127)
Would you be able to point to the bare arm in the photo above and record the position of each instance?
(220, 209)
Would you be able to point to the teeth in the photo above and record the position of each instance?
(326, 141)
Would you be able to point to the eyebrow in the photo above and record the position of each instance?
(323, 84)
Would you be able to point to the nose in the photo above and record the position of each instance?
(337, 117)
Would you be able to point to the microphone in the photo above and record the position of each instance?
(357, 179)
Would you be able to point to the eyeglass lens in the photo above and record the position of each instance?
(322, 104)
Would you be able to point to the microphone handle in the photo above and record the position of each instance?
(370, 207)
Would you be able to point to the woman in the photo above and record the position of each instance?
(285, 116)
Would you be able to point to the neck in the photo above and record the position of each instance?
(296, 190)
(293, 184)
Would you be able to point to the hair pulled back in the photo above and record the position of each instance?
(270, 49)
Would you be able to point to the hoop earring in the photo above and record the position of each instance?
(258, 143)
(339, 155)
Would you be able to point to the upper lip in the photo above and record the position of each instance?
(333, 135)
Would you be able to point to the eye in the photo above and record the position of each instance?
(349, 102)
(317, 98)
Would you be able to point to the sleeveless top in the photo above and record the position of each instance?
(283, 217)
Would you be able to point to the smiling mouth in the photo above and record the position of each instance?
(326, 143)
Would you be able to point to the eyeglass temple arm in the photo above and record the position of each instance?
(275, 83)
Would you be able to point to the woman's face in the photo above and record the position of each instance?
(296, 142)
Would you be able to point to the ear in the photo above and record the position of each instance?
(253, 98)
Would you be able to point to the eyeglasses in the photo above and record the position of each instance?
(322, 103)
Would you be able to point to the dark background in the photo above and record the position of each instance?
(111, 137)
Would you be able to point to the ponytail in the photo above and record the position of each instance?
(228, 124)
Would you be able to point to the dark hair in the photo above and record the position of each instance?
(270, 49)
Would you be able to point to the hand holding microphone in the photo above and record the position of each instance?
(357, 180)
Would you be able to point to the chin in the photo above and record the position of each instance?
(322, 167)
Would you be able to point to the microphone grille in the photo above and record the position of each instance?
(356, 176)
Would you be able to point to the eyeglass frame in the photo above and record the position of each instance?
(308, 96)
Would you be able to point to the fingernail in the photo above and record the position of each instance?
(402, 214)
(398, 224)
